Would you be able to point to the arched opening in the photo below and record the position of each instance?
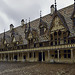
(59, 33)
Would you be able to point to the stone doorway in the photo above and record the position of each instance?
(41, 57)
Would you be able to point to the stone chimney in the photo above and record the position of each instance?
(52, 9)
(22, 22)
(11, 26)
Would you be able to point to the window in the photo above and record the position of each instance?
(69, 51)
(30, 55)
(72, 41)
(55, 42)
(55, 33)
(64, 40)
(59, 33)
(65, 56)
(51, 37)
(56, 56)
(68, 41)
(55, 51)
(40, 44)
(34, 55)
(65, 51)
(34, 45)
(51, 43)
(69, 55)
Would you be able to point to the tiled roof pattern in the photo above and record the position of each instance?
(66, 12)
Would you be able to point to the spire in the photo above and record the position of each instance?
(55, 6)
(74, 5)
(40, 16)
(29, 22)
(26, 22)
(4, 35)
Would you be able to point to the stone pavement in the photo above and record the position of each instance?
(22, 68)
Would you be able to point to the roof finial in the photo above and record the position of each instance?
(40, 14)
(26, 21)
(55, 6)
(26, 24)
(74, 4)
(29, 22)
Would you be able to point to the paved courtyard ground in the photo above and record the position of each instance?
(22, 68)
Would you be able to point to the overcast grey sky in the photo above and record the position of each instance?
(12, 11)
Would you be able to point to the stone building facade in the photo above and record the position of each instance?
(48, 39)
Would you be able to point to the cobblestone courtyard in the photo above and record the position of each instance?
(22, 68)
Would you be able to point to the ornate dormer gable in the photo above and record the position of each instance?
(73, 16)
(6, 40)
(32, 35)
(58, 22)
(42, 26)
(16, 38)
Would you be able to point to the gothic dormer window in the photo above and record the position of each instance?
(73, 16)
(42, 26)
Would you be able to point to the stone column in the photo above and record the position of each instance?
(72, 55)
(18, 56)
(13, 56)
(28, 56)
(48, 55)
(58, 55)
(4, 57)
(22, 56)
(42, 56)
(8, 57)
(33, 56)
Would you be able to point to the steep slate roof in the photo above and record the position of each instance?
(66, 12)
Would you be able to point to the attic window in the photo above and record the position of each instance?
(59, 33)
